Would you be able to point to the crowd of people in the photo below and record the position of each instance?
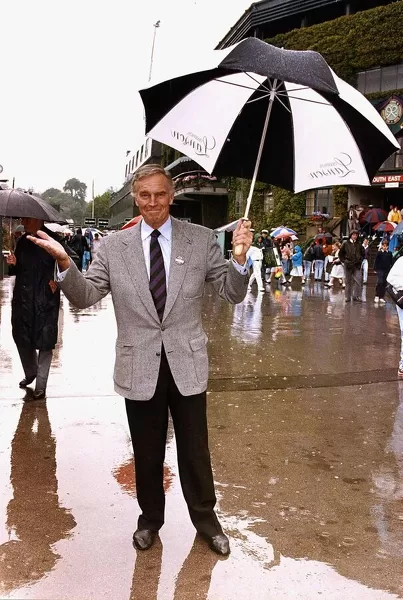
(342, 263)
(85, 246)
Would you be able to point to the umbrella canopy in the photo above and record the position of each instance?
(324, 236)
(279, 116)
(385, 226)
(57, 228)
(282, 232)
(132, 222)
(229, 227)
(373, 215)
(16, 203)
(398, 229)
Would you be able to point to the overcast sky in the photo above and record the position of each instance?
(70, 71)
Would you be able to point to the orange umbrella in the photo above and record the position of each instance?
(132, 222)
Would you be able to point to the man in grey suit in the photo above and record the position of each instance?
(156, 273)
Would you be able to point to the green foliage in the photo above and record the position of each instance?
(76, 188)
(256, 213)
(371, 38)
(70, 204)
(340, 200)
(289, 210)
(101, 205)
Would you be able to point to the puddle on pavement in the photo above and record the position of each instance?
(309, 481)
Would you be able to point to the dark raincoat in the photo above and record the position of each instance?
(35, 308)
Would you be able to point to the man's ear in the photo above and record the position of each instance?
(171, 200)
(134, 198)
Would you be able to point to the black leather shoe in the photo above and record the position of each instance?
(357, 299)
(26, 381)
(218, 543)
(143, 539)
(39, 394)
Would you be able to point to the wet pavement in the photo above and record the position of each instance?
(306, 437)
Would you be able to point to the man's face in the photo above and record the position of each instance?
(31, 225)
(354, 237)
(153, 196)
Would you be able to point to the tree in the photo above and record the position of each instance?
(101, 205)
(69, 207)
(289, 209)
(76, 188)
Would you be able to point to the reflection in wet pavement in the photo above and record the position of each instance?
(306, 434)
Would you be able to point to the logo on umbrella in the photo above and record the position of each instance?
(339, 166)
(201, 145)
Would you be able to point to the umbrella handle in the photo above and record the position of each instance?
(238, 249)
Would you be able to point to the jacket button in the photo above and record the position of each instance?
(158, 353)
(162, 328)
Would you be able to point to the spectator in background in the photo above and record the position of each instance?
(285, 258)
(365, 245)
(337, 271)
(35, 307)
(255, 257)
(382, 266)
(79, 244)
(267, 255)
(95, 245)
(297, 270)
(351, 255)
(319, 260)
(308, 258)
(394, 215)
(327, 251)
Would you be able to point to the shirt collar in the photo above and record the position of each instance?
(165, 230)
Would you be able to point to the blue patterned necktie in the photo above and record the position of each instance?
(158, 286)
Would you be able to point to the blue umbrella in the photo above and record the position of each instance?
(398, 230)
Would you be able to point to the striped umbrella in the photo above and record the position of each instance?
(385, 227)
(282, 232)
(373, 215)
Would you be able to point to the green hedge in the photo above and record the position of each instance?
(353, 43)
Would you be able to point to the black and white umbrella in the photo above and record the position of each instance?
(278, 116)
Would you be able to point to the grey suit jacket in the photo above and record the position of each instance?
(119, 267)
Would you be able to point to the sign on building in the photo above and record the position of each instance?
(90, 222)
(103, 223)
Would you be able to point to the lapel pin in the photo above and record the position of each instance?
(179, 260)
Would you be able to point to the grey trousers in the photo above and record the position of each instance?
(36, 363)
(353, 283)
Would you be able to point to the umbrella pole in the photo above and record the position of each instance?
(238, 249)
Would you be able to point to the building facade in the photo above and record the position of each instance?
(199, 198)
(362, 42)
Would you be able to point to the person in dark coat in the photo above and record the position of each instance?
(79, 245)
(35, 307)
(351, 255)
(382, 266)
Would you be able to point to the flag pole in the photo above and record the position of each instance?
(238, 249)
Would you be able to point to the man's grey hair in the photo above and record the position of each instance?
(147, 171)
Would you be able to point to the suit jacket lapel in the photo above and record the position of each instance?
(133, 257)
(181, 249)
